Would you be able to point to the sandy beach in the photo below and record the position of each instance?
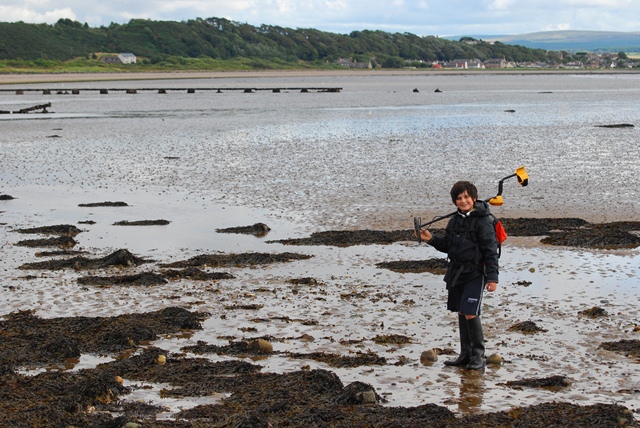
(301, 307)
(27, 78)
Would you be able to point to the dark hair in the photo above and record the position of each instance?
(463, 186)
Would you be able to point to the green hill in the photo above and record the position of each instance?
(571, 40)
(222, 39)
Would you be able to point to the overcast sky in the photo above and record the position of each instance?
(421, 17)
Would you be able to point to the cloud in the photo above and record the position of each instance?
(15, 13)
(422, 17)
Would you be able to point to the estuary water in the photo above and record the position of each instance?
(382, 150)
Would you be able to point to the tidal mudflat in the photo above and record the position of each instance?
(321, 316)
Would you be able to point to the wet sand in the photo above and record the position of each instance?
(329, 310)
(27, 78)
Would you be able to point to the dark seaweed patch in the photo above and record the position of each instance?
(105, 204)
(24, 335)
(594, 312)
(547, 382)
(59, 229)
(142, 223)
(257, 229)
(303, 281)
(540, 226)
(120, 258)
(358, 359)
(195, 274)
(435, 266)
(236, 260)
(602, 238)
(392, 339)
(64, 241)
(624, 346)
(528, 327)
(146, 279)
(241, 348)
(346, 238)
(559, 231)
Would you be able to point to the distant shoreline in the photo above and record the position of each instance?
(28, 78)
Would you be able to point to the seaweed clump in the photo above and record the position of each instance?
(142, 223)
(28, 339)
(435, 266)
(59, 229)
(258, 229)
(105, 204)
(346, 238)
(237, 260)
(196, 274)
(143, 279)
(119, 258)
(547, 382)
(594, 312)
(624, 346)
(527, 327)
(63, 241)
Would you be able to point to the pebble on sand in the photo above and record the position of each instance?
(494, 359)
(428, 357)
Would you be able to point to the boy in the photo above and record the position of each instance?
(472, 249)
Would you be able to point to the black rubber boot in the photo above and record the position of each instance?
(465, 344)
(477, 344)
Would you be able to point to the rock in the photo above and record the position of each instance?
(307, 338)
(494, 359)
(261, 345)
(428, 357)
(162, 360)
(416, 90)
(366, 397)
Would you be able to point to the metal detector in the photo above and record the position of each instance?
(523, 180)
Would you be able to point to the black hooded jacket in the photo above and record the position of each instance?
(471, 246)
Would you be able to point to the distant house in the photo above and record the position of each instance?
(350, 63)
(464, 64)
(495, 63)
(127, 58)
(123, 58)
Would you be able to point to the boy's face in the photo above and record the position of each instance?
(464, 202)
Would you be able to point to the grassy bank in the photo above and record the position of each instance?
(172, 64)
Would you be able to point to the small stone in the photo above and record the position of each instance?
(119, 380)
(428, 357)
(366, 397)
(262, 345)
(494, 359)
(566, 382)
(307, 338)
(162, 360)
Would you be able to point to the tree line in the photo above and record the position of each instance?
(223, 39)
